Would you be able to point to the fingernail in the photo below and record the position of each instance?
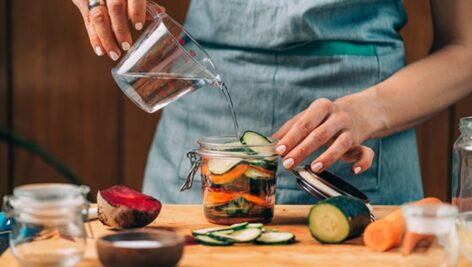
(114, 55)
(288, 163)
(357, 170)
(280, 149)
(125, 46)
(138, 26)
(98, 51)
(317, 167)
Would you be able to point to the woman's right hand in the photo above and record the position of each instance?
(107, 24)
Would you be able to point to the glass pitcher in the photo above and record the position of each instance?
(462, 167)
(48, 223)
(164, 64)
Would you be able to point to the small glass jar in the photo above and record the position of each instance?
(48, 223)
(462, 167)
(238, 181)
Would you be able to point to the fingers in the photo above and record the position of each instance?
(309, 121)
(117, 10)
(340, 146)
(137, 13)
(284, 129)
(316, 139)
(366, 156)
(102, 25)
(93, 37)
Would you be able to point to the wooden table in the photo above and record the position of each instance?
(306, 252)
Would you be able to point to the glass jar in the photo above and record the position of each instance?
(238, 181)
(48, 223)
(462, 167)
(435, 224)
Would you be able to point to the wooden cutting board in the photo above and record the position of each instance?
(305, 252)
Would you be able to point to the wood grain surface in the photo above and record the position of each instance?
(305, 252)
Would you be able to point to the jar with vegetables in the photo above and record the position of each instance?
(238, 178)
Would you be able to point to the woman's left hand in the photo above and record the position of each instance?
(337, 124)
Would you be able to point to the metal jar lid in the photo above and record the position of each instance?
(325, 185)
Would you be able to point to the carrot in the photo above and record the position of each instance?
(412, 240)
(204, 169)
(235, 173)
(217, 198)
(387, 232)
(256, 200)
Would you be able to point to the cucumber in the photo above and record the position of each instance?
(229, 229)
(337, 219)
(275, 238)
(255, 225)
(209, 241)
(252, 138)
(219, 166)
(255, 174)
(241, 236)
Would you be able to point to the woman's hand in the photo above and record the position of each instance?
(107, 24)
(336, 124)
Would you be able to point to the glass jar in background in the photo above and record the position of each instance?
(462, 167)
(435, 225)
(238, 181)
(48, 228)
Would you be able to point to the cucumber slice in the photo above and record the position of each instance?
(337, 219)
(238, 226)
(255, 225)
(255, 174)
(209, 241)
(240, 236)
(252, 138)
(219, 166)
(276, 238)
(206, 231)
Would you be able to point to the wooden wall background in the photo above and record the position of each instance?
(54, 90)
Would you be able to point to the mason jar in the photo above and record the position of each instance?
(462, 167)
(48, 223)
(238, 181)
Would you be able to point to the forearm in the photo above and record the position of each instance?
(415, 93)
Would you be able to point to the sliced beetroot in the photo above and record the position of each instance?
(122, 207)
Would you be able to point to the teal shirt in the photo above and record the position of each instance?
(277, 57)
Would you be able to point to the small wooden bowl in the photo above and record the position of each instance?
(141, 248)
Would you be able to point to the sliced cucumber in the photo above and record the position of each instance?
(240, 236)
(219, 166)
(255, 174)
(206, 231)
(275, 238)
(209, 241)
(337, 219)
(252, 138)
(238, 226)
(255, 225)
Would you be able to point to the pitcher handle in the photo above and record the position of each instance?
(195, 162)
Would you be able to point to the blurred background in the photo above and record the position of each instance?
(57, 93)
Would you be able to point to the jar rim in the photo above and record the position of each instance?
(221, 146)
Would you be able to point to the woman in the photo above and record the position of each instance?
(314, 72)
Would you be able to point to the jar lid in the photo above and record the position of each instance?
(325, 184)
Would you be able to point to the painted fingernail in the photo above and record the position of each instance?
(280, 149)
(288, 163)
(114, 55)
(125, 46)
(357, 170)
(317, 166)
(138, 26)
(98, 51)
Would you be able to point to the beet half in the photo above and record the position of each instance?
(121, 207)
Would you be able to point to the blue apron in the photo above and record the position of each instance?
(277, 57)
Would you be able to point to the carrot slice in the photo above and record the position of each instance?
(256, 200)
(387, 232)
(204, 169)
(412, 240)
(218, 198)
(235, 173)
